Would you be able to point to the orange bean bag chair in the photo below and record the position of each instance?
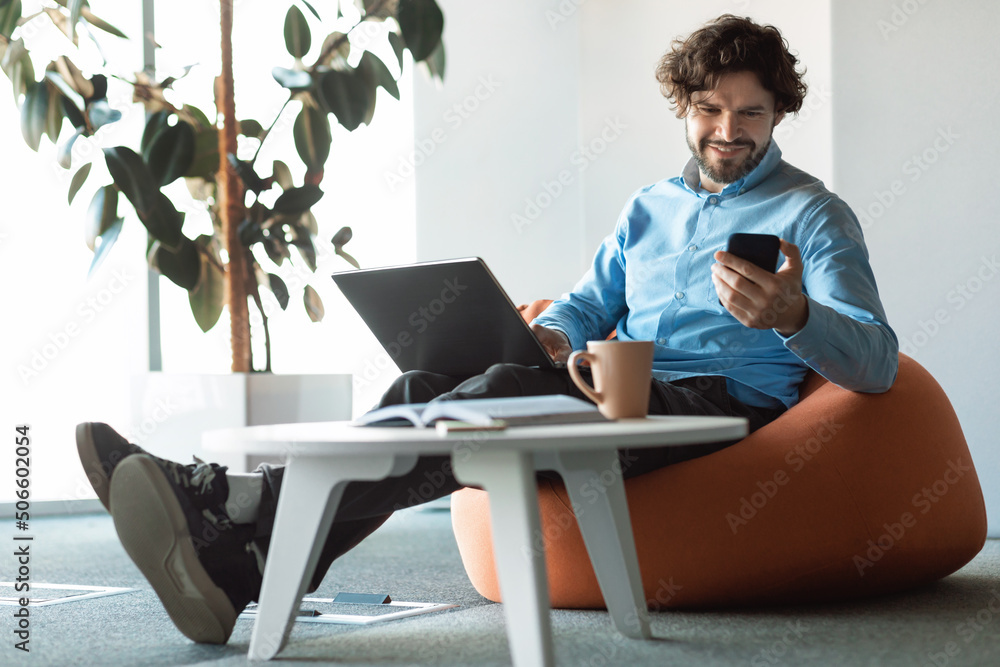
(846, 495)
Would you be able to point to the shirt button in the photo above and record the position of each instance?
(661, 341)
(679, 295)
(713, 200)
(692, 248)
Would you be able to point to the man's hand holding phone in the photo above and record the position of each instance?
(757, 297)
(555, 342)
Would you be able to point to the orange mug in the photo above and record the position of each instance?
(622, 372)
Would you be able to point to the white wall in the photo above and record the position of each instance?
(916, 102)
(503, 126)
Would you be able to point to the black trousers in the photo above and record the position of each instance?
(365, 506)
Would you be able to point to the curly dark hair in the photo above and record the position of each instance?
(726, 45)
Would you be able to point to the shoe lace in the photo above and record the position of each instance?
(199, 476)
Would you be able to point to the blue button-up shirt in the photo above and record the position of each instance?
(651, 280)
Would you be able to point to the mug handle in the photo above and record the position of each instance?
(574, 373)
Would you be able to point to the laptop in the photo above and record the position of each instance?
(450, 317)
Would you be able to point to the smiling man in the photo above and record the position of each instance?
(730, 338)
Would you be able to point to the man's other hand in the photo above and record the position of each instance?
(758, 298)
(555, 342)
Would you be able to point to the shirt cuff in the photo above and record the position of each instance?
(577, 340)
(809, 341)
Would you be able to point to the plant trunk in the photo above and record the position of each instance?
(231, 208)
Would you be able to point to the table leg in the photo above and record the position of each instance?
(597, 493)
(509, 477)
(310, 494)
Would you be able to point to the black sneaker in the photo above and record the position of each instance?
(171, 520)
(101, 449)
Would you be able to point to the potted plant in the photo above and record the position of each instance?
(231, 265)
(260, 217)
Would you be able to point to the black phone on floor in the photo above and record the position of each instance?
(761, 249)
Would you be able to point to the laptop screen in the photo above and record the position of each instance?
(449, 317)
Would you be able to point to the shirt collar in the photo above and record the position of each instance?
(692, 177)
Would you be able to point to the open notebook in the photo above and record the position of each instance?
(515, 411)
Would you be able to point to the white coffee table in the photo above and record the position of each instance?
(323, 457)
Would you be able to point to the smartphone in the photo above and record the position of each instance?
(761, 249)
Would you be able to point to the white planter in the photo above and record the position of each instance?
(170, 411)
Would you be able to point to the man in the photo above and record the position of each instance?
(731, 338)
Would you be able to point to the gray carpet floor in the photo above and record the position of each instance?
(413, 557)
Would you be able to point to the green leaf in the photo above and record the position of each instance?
(292, 79)
(312, 137)
(155, 124)
(132, 177)
(308, 221)
(53, 115)
(245, 171)
(79, 178)
(308, 252)
(353, 262)
(74, 114)
(56, 79)
(163, 221)
(378, 10)
(436, 62)
(397, 46)
(64, 154)
(297, 36)
(421, 23)
(100, 113)
(170, 153)
(251, 128)
(101, 215)
(311, 8)
(337, 55)
(348, 95)
(378, 74)
(9, 14)
(314, 305)
(24, 76)
(107, 240)
(198, 115)
(276, 249)
(343, 235)
(98, 22)
(279, 289)
(298, 200)
(208, 297)
(34, 109)
(182, 267)
(282, 175)
(206, 155)
(75, 8)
